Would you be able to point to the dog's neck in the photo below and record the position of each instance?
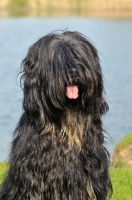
(71, 124)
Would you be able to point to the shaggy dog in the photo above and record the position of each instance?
(58, 152)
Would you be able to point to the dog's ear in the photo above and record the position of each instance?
(30, 83)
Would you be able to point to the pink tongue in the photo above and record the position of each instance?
(72, 92)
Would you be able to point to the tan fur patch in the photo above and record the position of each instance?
(73, 126)
(90, 190)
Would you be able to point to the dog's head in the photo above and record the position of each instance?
(60, 72)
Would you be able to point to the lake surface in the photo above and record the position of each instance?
(113, 39)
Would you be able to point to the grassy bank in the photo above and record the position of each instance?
(122, 156)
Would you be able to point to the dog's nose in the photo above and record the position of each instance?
(72, 92)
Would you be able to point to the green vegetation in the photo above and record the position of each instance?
(121, 172)
(122, 184)
(18, 3)
(3, 170)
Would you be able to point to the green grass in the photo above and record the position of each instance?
(122, 184)
(121, 181)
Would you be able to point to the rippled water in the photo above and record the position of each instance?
(113, 39)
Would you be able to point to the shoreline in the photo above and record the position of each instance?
(110, 14)
(86, 8)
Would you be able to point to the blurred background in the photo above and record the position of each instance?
(108, 23)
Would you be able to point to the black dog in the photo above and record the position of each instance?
(58, 152)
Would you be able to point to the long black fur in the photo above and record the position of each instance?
(58, 149)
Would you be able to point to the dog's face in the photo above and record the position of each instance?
(62, 71)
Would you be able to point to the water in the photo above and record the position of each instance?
(113, 39)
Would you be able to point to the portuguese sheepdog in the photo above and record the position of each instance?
(58, 150)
